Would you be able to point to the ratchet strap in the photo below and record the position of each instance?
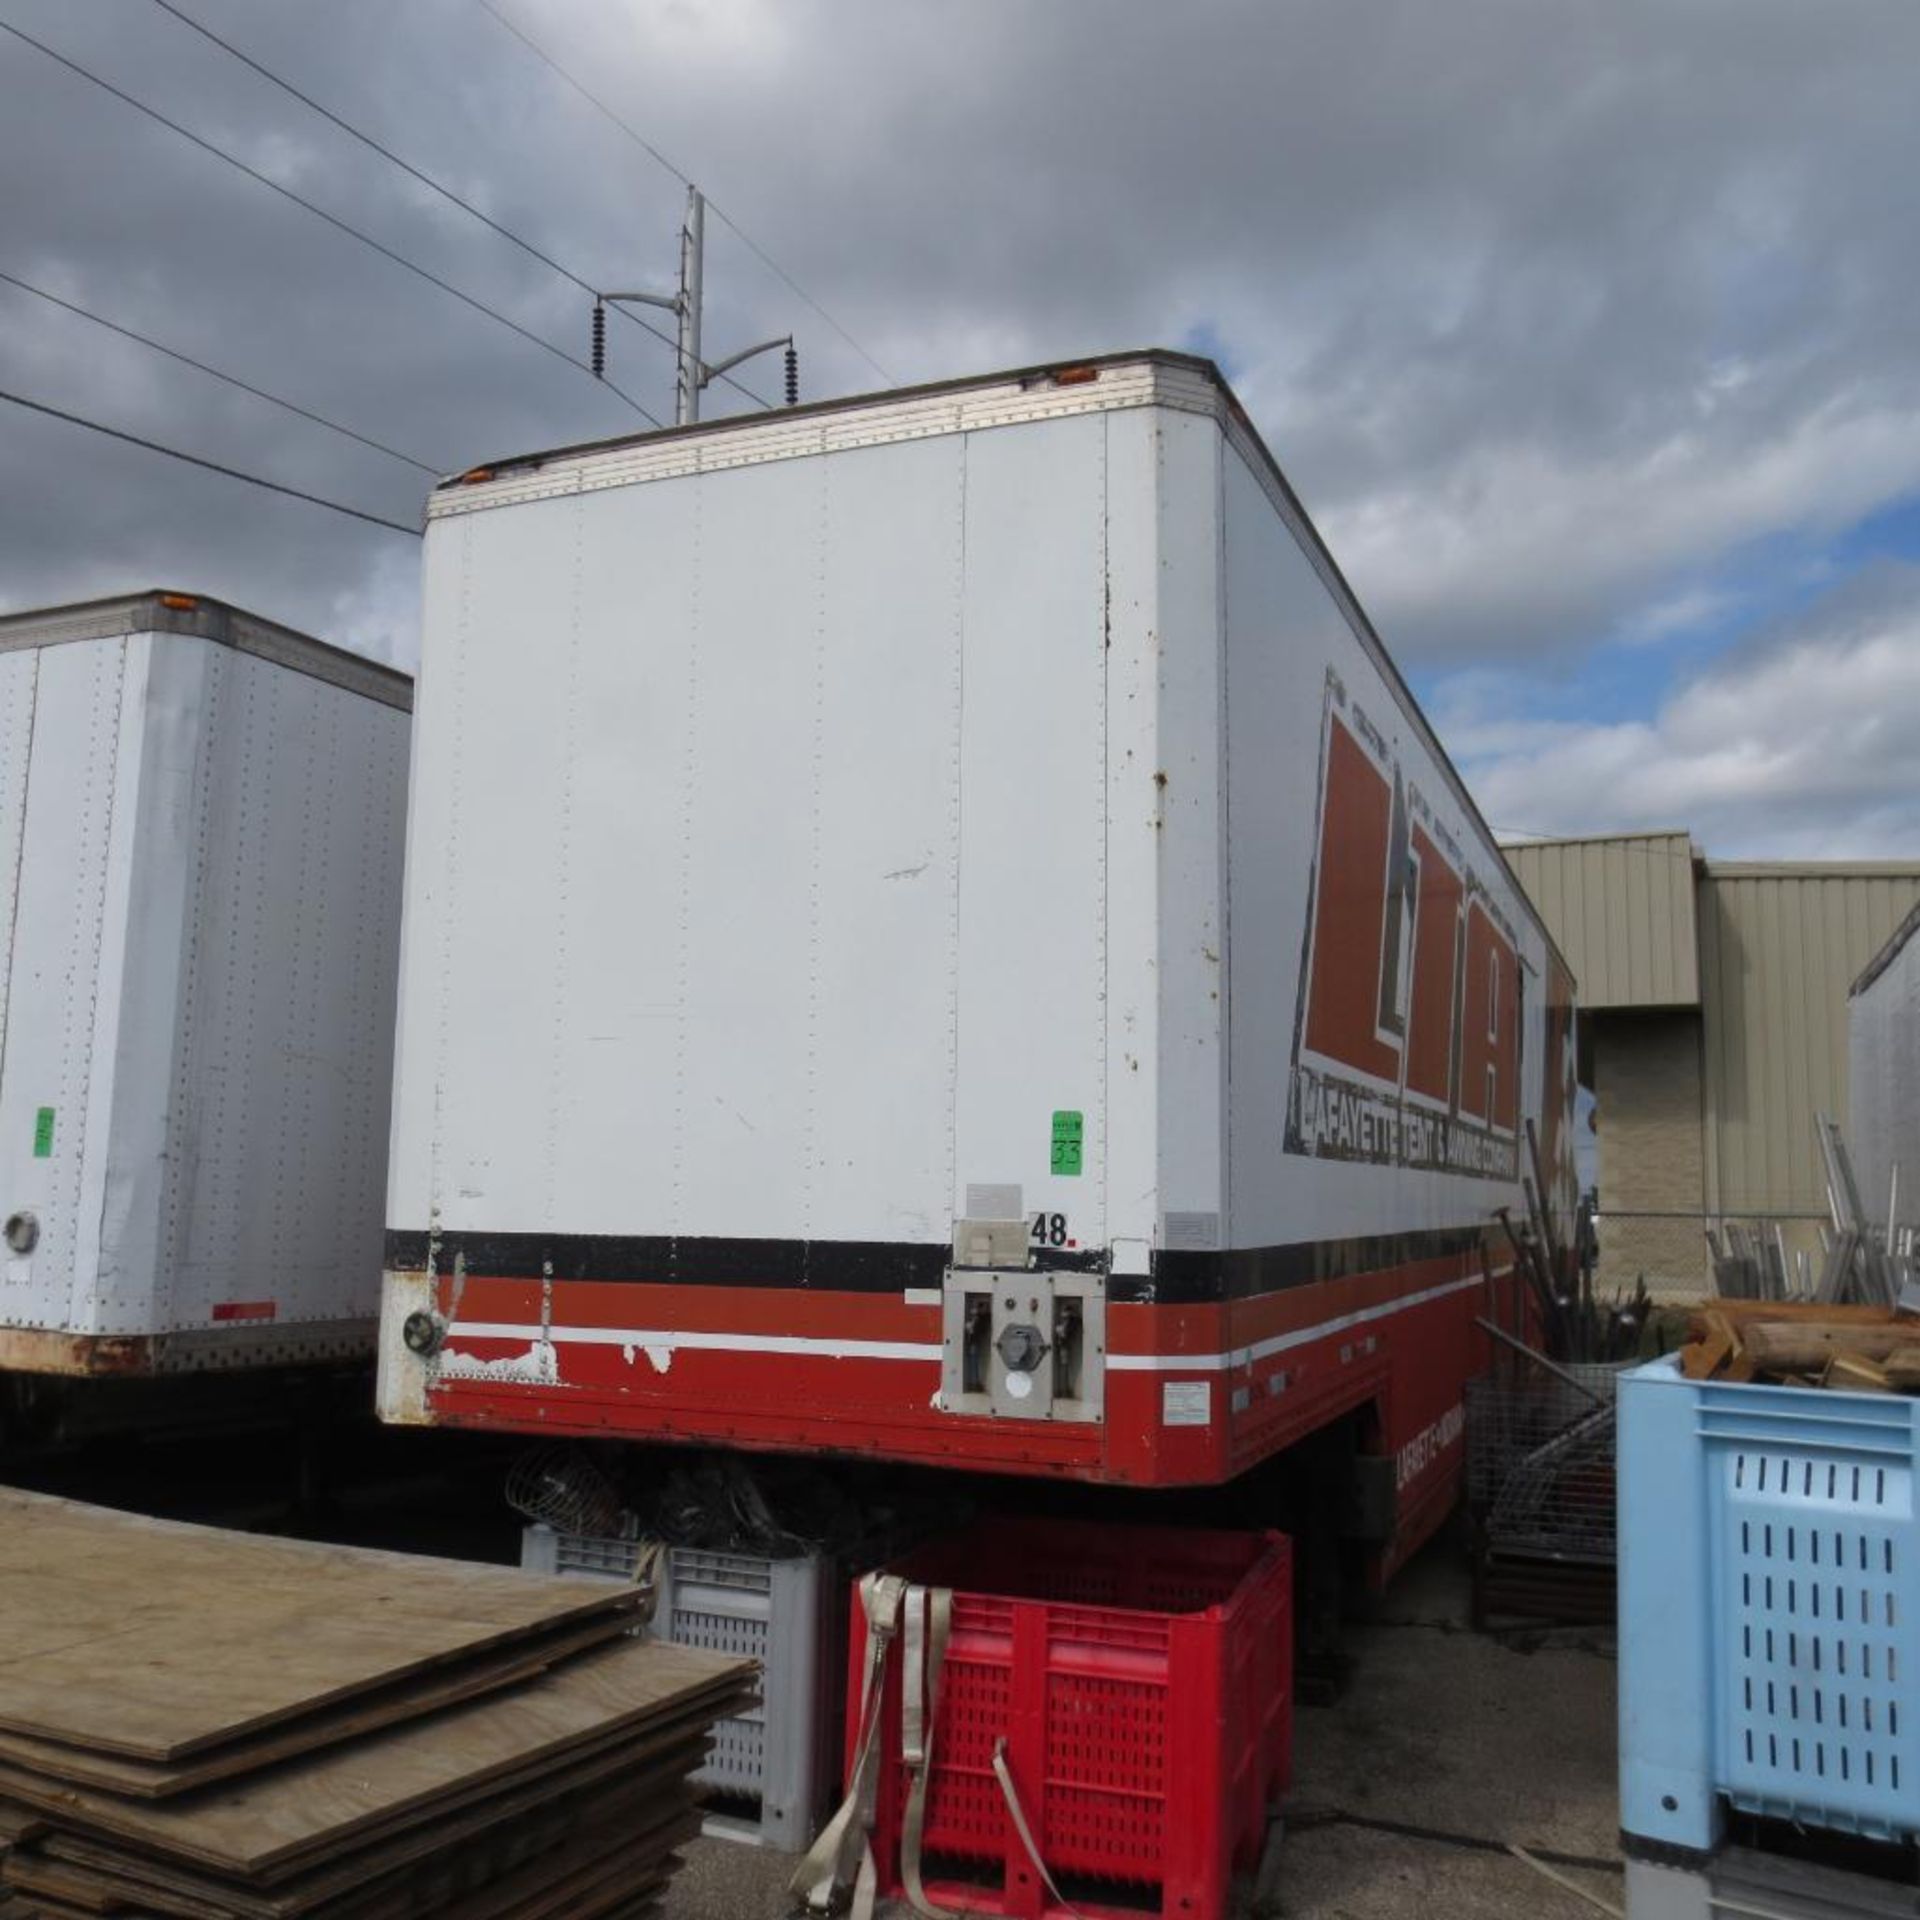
(646, 1576)
(1004, 1774)
(843, 1854)
(921, 1618)
(929, 1622)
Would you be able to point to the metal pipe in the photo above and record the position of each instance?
(1540, 1359)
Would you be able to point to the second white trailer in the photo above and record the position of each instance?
(201, 818)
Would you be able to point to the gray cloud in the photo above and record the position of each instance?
(1547, 310)
(1797, 743)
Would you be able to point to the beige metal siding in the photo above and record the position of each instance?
(1622, 911)
(1779, 948)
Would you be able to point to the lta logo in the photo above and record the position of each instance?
(1407, 1040)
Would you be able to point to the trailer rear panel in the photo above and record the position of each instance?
(934, 930)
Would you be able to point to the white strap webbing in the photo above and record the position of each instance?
(929, 1622)
(832, 1863)
(646, 1576)
(922, 1618)
(1004, 1774)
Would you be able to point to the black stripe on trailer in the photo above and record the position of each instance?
(890, 1266)
(1182, 1278)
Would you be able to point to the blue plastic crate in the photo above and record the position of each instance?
(1769, 1608)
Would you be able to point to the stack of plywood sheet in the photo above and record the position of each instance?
(204, 1724)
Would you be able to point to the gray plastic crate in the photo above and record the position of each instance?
(780, 1755)
(1740, 1885)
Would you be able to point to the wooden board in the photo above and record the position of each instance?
(1736, 1311)
(314, 1805)
(107, 1620)
(657, 1766)
(409, 1699)
(625, 1829)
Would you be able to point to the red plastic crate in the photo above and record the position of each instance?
(1142, 1678)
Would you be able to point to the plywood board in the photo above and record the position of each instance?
(313, 1805)
(318, 1889)
(107, 1622)
(623, 1832)
(409, 1699)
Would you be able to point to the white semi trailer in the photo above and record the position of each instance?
(201, 818)
(934, 930)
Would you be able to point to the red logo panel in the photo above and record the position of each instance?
(1407, 1046)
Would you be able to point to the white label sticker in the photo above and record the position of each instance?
(1186, 1403)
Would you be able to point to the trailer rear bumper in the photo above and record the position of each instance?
(1194, 1394)
(220, 1349)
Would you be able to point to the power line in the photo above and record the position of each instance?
(427, 180)
(232, 380)
(211, 466)
(773, 266)
(534, 47)
(319, 212)
(367, 140)
(653, 153)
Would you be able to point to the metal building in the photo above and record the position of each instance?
(1713, 1000)
(1883, 1068)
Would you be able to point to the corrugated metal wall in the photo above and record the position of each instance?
(1779, 949)
(1622, 911)
(1883, 1073)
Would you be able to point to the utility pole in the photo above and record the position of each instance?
(692, 374)
(693, 252)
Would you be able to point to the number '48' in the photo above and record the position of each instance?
(1049, 1230)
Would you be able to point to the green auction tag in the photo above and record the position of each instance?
(43, 1134)
(1069, 1136)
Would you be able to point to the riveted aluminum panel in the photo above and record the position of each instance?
(1032, 932)
(1329, 1149)
(283, 1057)
(697, 881)
(55, 1070)
(1175, 780)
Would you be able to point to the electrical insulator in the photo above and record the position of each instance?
(793, 375)
(599, 340)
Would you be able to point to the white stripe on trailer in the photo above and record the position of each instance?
(681, 1340)
(1280, 1342)
(799, 1344)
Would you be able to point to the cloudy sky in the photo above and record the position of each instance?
(1586, 328)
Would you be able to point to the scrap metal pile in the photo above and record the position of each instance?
(204, 1724)
(1855, 1327)
(1540, 1423)
(1863, 1262)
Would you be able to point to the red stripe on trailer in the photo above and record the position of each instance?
(245, 1310)
(782, 1369)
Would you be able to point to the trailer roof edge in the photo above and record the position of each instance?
(167, 610)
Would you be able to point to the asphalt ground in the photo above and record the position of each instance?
(1447, 1747)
